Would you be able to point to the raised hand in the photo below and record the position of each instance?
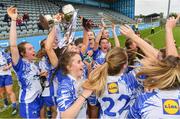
(12, 12)
(117, 43)
(102, 22)
(170, 42)
(147, 49)
(52, 34)
(127, 31)
(171, 22)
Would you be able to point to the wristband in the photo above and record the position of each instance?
(83, 96)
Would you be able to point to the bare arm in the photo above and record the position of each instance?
(12, 12)
(170, 42)
(73, 111)
(98, 37)
(85, 42)
(148, 50)
(8, 66)
(49, 48)
(116, 40)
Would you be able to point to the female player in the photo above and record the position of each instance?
(163, 79)
(114, 89)
(49, 85)
(71, 98)
(6, 79)
(102, 46)
(28, 73)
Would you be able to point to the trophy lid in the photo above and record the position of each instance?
(68, 9)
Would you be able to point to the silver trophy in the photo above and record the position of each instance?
(65, 24)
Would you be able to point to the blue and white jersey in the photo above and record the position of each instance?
(85, 71)
(159, 104)
(50, 89)
(119, 94)
(68, 91)
(5, 59)
(28, 76)
(99, 56)
(88, 48)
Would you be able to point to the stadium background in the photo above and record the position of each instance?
(120, 10)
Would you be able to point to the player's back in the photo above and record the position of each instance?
(115, 101)
(160, 104)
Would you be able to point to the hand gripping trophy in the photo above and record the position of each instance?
(64, 23)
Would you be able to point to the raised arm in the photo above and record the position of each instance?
(116, 40)
(97, 39)
(148, 50)
(49, 48)
(170, 42)
(12, 12)
(85, 42)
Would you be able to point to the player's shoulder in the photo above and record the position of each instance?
(143, 97)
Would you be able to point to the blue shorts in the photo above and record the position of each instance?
(49, 101)
(31, 110)
(5, 80)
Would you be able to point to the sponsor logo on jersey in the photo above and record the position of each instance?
(113, 88)
(171, 106)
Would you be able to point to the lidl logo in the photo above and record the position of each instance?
(113, 88)
(171, 106)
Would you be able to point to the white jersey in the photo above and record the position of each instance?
(28, 76)
(119, 92)
(5, 59)
(68, 91)
(50, 88)
(159, 104)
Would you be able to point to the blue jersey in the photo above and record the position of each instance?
(5, 59)
(99, 56)
(120, 92)
(85, 71)
(50, 88)
(68, 91)
(28, 76)
(159, 104)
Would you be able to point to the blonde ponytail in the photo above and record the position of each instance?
(161, 74)
(97, 79)
(115, 62)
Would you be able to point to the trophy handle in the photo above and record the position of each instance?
(44, 23)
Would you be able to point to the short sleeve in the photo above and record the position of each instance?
(64, 97)
(19, 65)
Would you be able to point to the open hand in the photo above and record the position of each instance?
(127, 31)
(171, 22)
(12, 12)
